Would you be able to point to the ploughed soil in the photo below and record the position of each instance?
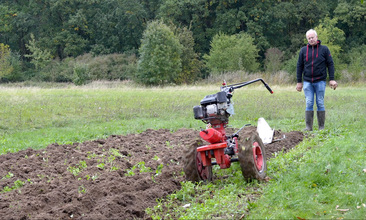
(114, 178)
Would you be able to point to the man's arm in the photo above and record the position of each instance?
(300, 67)
(330, 64)
(299, 70)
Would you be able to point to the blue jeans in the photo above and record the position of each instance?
(311, 89)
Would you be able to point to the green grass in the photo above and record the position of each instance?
(324, 172)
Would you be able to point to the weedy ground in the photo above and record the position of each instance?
(323, 177)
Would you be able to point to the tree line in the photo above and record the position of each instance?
(171, 41)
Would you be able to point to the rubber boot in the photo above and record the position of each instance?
(309, 116)
(321, 119)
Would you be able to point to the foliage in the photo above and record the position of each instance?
(191, 64)
(39, 58)
(81, 74)
(230, 53)
(160, 55)
(356, 61)
(117, 26)
(273, 61)
(331, 36)
(110, 67)
(351, 16)
(334, 39)
(5, 66)
(17, 184)
(17, 67)
(90, 68)
(317, 177)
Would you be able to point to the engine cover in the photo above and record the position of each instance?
(211, 110)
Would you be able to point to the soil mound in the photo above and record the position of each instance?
(114, 178)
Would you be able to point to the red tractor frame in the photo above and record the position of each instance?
(245, 147)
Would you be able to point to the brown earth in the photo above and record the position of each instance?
(94, 179)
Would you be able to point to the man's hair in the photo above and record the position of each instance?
(311, 31)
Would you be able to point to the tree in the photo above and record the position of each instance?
(352, 20)
(117, 26)
(40, 58)
(231, 53)
(196, 15)
(5, 67)
(333, 38)
(273, 61)
(191, 64)
(160, 55)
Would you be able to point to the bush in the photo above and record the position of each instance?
(110, 67)
(81, 74)
(12, 69)
(273, 61)
(232, 53)
(290, 67)
(357, 64)
(57, 71)
(87, 67)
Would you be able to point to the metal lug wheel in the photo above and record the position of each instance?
(193, 167)
(251, 154)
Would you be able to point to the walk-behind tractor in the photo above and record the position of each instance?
(245, 147)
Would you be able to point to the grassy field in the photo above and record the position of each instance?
(324, 177)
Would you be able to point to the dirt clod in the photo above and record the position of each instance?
(115, 178)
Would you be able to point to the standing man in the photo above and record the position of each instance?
(314, 60)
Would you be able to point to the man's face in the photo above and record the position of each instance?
(312, 39)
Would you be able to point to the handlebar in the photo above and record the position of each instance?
(239, 85)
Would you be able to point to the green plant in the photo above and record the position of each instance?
(143, 168)
(114, 168)
(82, 189)
(130, 172)
(160, 52)
(101, 166)
(167, 143)
(231, 53)
(81, 74)
(159, 169)
(273, 61)
(8, 176)
(17, 185)
(91, 155)
(76, 170)
(5, 66)
(39, 57)
(116, 152)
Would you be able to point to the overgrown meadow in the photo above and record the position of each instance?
(323, 177)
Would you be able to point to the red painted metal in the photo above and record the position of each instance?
(226, 161)
(212, 151)
(212, 147)
(203, 170)
(236, 145)
(211, 135)
(258, 157)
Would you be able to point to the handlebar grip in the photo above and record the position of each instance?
(269, 88)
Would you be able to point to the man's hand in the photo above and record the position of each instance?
(333, 84)
(299, 87)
